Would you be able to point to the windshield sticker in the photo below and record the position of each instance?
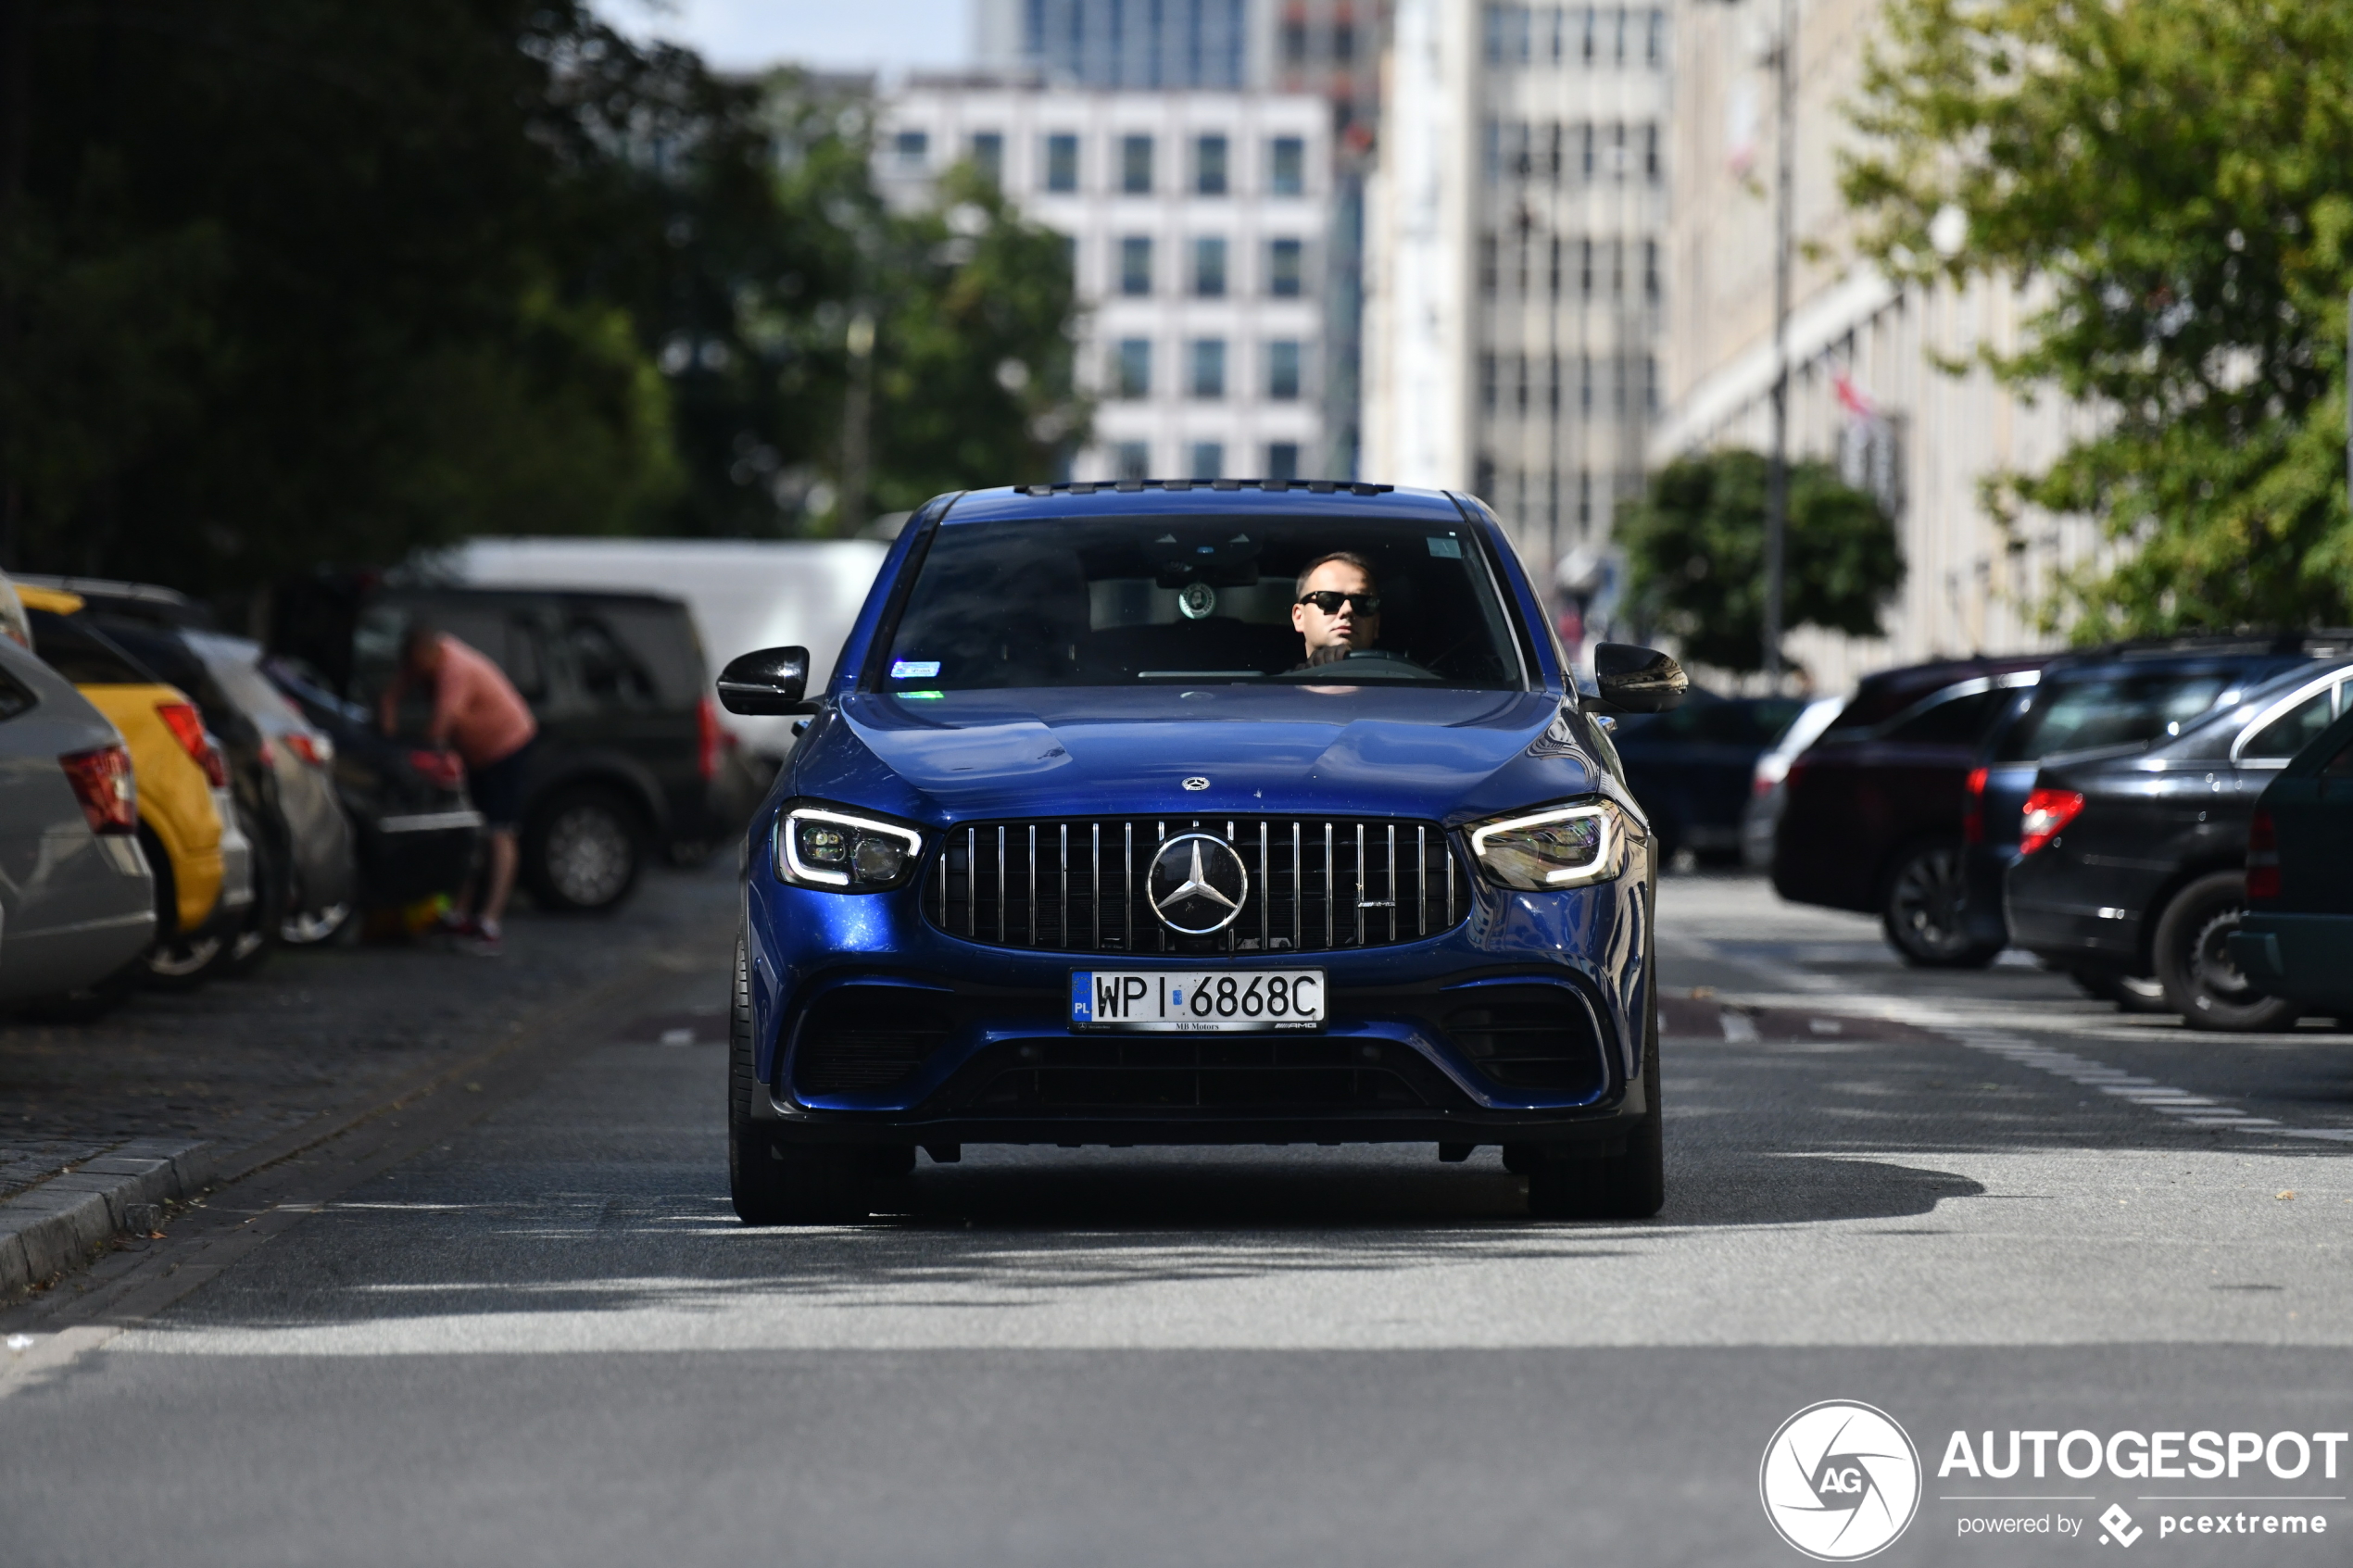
(913, 669)
(1446, 548)
(920, 697)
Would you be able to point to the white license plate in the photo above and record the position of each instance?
(1197, 1002)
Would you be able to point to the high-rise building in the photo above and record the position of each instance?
(1197, 222)
(1145, 43)
(1514, 259)
(1865, 389)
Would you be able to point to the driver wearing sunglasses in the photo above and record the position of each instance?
(1337, 610)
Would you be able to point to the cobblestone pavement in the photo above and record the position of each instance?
(240, 1060)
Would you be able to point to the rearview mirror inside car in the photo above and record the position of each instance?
(1638, 680)
(769, 681)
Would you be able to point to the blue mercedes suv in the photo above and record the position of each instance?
(1198, 812)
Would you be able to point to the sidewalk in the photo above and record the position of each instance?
(175, 1091)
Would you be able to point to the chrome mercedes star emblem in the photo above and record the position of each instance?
(1197, 884)
(1196, 785)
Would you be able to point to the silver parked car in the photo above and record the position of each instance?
(77, 901)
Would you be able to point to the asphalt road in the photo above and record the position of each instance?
(519, 1325)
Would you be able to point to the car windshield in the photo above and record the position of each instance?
(2086, 712)
(1123, 601)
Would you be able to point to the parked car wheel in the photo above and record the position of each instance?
(771, 1184)
(1925, 912)
(247, 947)
(2130, 993)
(2193, 964)
(308, 928)
(1627, 1186)
(584, 850)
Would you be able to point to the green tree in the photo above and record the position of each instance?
(2176, 177)
(1695, 553)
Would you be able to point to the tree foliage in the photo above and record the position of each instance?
(293, 281)
(2178, 176)
(1695, 550)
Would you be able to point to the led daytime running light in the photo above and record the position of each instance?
(795, 868)
(1604, 863)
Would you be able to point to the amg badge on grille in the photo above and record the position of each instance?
(1197, 884)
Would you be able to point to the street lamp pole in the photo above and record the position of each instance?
(1777, 477)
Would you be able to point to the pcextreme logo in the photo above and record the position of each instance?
(1841, 1481)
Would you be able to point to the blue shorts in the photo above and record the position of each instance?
(497, 787)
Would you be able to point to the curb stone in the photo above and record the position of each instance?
(49, 1228)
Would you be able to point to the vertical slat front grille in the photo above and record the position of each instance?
(1316, 884)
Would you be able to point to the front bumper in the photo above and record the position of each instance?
(1409, 1052)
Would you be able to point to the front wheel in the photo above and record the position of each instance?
(1925, 913)
(1630, 1185)
(768, 1183)
(583, 849)
(2194, 960)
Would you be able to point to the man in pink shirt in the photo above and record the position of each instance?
(478, 713)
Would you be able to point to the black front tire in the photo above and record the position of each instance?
(2194, 964)
(583, 849)
(1630, 1184)
(769, 1182)
(1925, 909)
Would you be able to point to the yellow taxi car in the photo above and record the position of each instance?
(181, 777)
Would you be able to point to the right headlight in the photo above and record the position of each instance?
(817, 847)
(1557, 846)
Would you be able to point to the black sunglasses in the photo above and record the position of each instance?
(1329, 600)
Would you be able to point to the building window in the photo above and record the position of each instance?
(1589, 48)
(1285, 268)
(1553, 385)
(1649, 153)
(1287, 166)
(1556, 48)
(1282, 460)
(1136, 264)
(1617, 269)
(1209, 268)
(1282, 369)
(1209, 460)
(1585, 270)
(1584, 499)
(1654, 45)
(911, 148)
(1584, 383)
(1132, 460)
(1617, 161)
(988, 155)
(1553, 275)
(1490, 140)
(1487, 264)
(1519, 399)
(1132, 367)
(1487, 383)
(1553, 138)
(1585, 140)
(1208, 166)
(1343, 41)
(1135, 165)
(1650, 383)
(1294, 42)
(1650, 272)
(1523, 164)
(1061, 162)
(1617, 51)
(1208, 368)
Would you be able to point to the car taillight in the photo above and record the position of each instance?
(1796, 771)
(2047, 813)
(709, 738)
(2262, 859)
(101, 781)
(439, 767)
(1973, 814)
(316, 750)
(268, 754)
(187, 727)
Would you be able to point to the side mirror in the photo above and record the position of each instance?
(1638, 680)
(769, 681)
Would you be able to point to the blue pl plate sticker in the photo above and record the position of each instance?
(919, 668)
(1445, 548)
(1082, 997)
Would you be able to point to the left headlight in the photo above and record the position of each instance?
(1558, 847)
(820, 848)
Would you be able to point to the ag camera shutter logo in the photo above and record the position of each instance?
(1841, 1481)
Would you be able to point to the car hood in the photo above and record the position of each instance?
(1117, 752)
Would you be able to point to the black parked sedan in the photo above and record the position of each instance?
(2133, 857)
(2122, 695)
(1871, 813)
(2296, 940)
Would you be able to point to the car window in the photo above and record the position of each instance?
(83, 654)
(662, 639)
(2291, 732)
(2103, 710)
(1119, 601)
(1956, 720)
(606, 670)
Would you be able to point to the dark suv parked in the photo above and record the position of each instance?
(2126, 695)
(1872, 820)
(630, 746)
(2132, 858)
